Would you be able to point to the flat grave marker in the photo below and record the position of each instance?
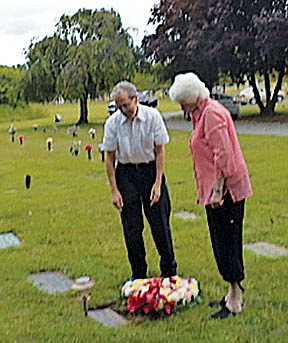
(51, 282)
(186, 215)
(9, 240)
(107, 317)
(266, 249)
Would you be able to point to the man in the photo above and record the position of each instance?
(136, 135)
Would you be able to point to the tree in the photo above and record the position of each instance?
(255, 38)
(99, 54)
(86, 56)
(179, 39)
(228, 37)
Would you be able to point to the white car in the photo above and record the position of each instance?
(246, 96)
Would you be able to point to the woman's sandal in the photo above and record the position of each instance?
(217, 303)
(223, 313)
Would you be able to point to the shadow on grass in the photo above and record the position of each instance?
(280, 117)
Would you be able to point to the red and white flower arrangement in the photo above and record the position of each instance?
(160, 294)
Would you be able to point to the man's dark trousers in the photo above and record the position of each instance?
(135, 182)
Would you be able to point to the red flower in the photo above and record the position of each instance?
(134, 303)
(88, 147)
(167, 308)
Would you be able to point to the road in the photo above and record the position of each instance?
(242, 127)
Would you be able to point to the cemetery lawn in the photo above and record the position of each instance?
(66, 223)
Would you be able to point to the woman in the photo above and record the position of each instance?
(222, 182)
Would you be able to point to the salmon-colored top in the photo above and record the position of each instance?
(216, 153)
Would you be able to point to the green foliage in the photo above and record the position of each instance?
(20, 113)
(232, 38)
(87, 55)
(150, 80)
(67, 223)
(45, 62)
(99, 53)
(10, 92)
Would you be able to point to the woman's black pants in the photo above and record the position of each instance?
(226, 226)
(135, 182)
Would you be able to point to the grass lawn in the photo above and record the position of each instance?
(66, 223)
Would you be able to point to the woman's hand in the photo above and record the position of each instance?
(217, 195)
(216, 199)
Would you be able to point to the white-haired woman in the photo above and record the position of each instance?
(222, 182)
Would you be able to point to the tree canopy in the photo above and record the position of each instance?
(45, 61)
(231, 37)
(87, 55)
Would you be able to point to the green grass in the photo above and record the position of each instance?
(251, 112)
(67, 223)
(44, 113)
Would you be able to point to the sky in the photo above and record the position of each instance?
(22, 20)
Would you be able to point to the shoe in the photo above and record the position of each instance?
(223, 313)
(217, 303)
(131, 279)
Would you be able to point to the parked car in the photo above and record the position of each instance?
(246, 96)
(227, 101)
(144, 98)
(112, 107)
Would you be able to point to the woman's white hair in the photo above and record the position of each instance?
(187, 88)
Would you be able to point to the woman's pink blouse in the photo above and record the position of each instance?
(216, 153)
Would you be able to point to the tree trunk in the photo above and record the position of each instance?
(252, 81)
(281, 75)
(269, 110)
(83, 111)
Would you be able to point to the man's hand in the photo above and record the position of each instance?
(155, 193)
(117, 199)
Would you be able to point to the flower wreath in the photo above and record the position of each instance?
(160, 294)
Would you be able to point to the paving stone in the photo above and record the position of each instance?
(8, 240)
(185, 215)
(107, 317)
(51, 282)
(266, 249)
